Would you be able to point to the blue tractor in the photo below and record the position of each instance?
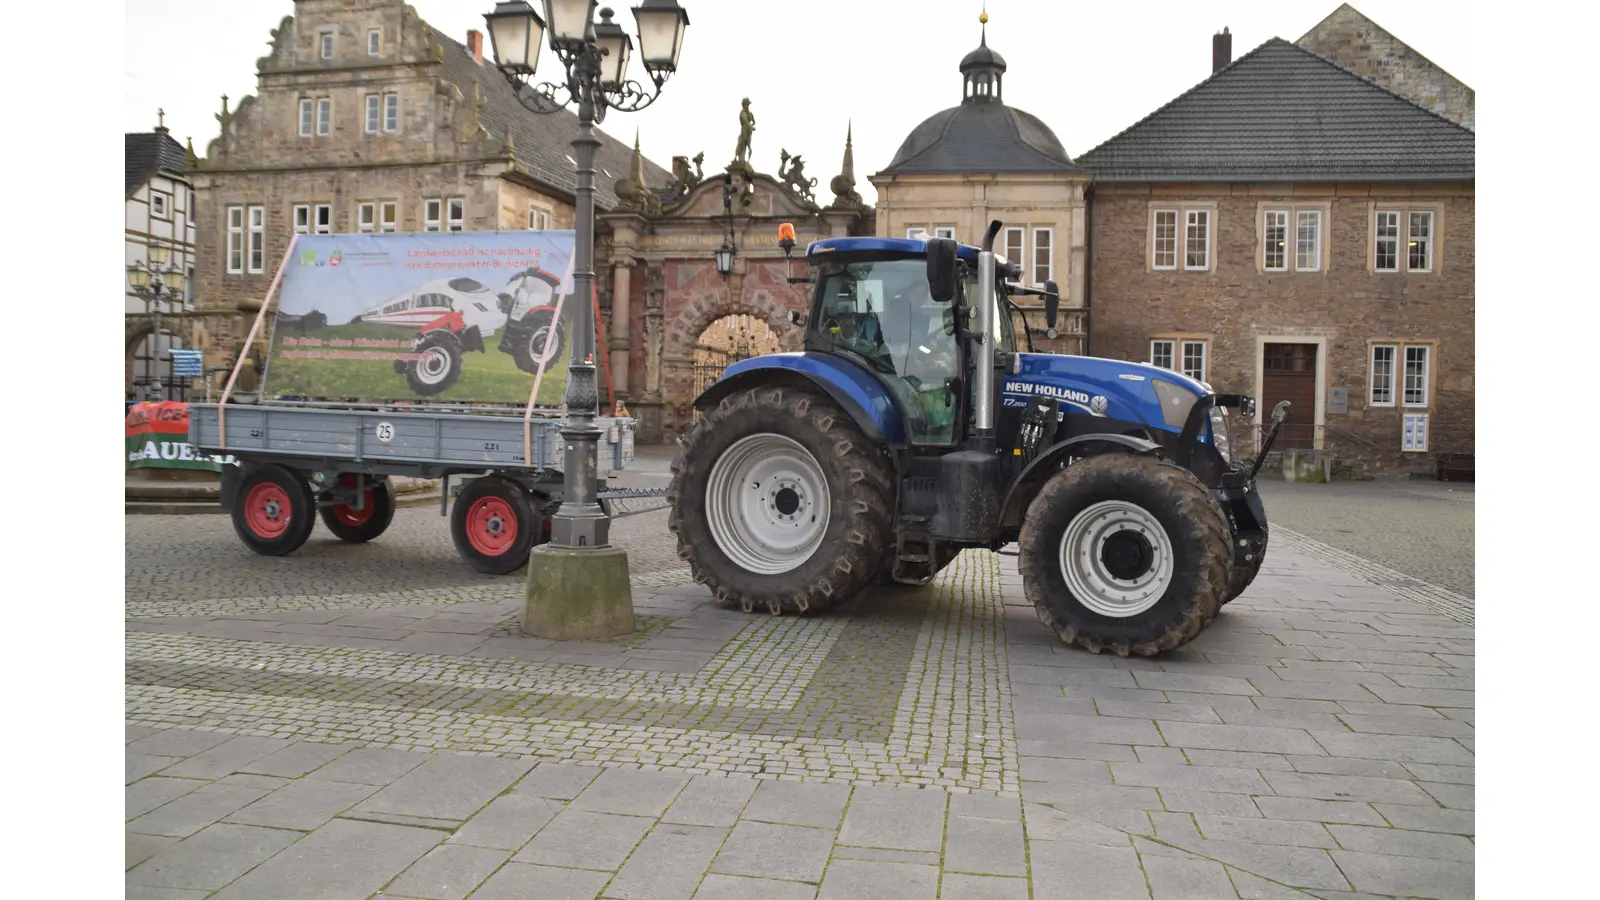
(912, 427)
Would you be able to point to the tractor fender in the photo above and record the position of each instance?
(1033, 476)
(856, 391)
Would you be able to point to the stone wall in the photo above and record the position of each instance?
(1347, 306)
(1357, 43)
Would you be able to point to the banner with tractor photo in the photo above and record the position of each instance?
(466, 316)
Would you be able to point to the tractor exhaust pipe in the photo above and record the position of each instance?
(989, 236)
(983, 383)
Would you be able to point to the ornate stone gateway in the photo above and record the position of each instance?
(727, 341)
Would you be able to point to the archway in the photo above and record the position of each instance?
(726, 341)
(149, 367)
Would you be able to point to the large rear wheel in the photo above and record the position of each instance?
(360, 525)
(1125, 553)
(780, 502)
(273, 513)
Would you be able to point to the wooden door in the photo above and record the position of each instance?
(1289, 372)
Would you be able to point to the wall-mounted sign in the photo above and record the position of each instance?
(1414, 433)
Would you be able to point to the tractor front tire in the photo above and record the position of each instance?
(438, 365)
(1125, 553)
(357, 526)
(1240, 577)
(781, 503)
(274, 511)
(539, 327)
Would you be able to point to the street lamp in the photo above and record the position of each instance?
(594, 60)
(725, 252)
(156, 283)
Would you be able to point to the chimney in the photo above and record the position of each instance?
(475, 44)
(1221, 50)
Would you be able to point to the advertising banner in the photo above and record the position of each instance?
(158, 438)
(466, 316)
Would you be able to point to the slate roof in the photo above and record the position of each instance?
(1283, 113)
(149, 153)
(542, 143)
(981, 136)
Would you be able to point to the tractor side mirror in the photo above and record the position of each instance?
(942, 269)
(797, 318)
(1052, 303)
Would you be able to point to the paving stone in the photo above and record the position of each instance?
(447, 787)
(798, 803)
(854, 879)
(195, 810)
(259, 782)
(984, 847)
(1398, 842)
(343, 859)
(507, 823)
(1075, 771)
(1399, 748)
(516, 881)
(788, 852)
(1237, 759)
(1087, 729)
(556, 781)
(585, 840)
(733, 887)
(1204, 684)
(1187, 879)
(147, 794)
(669, 864)
(1200, 778)
(1346, 787)
(878, 854)
(1301, 867)
(1044, 823)
(1211, 802)
(1428, 818)
(1063, 870)
(982, 887)
(1239, 737)
(707, 800)
(139, 765)
(227, 757)
(298, 759)
(371, 766)
(212, 857)
(303, 805)
(1075, 750)
(1119, 806)
(448, 872)
(1254, 887)
(894, 817)
(1407, 876)
(140, 892)
(1265, 831)
(1453, 796)
(631, 793)
(1336, 765)
(1302, 810)
(180, 742)
(140, 847)
(1170, 826)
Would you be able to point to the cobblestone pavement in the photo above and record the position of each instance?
(367, 721)
(1421, 528)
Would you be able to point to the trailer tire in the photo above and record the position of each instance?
(439, 365)
(494, 525)
(1125, 553)
(355, 526)
(272, 513)
(812, 463)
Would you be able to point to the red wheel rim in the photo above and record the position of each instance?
(491, 526)
(267, 510)
(349, 515)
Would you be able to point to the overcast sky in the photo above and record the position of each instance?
(1088, 69)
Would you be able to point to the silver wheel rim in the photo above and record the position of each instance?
(1091, 581)
(433, 366)
(537, 345)
(767, 504)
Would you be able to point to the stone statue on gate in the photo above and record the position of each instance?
(747, 127)
(792, 172)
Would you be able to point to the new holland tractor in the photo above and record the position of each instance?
(912, 427)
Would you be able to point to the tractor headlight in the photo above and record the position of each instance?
(1219, 432)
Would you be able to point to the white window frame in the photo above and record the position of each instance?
(1429, 242)
(1316, 241)
(1016, 245)
(159, 206)
(1155, 237)
(325, 44)
(300, 216)
(454, 220)
(322, 223)
(324, 116)
(366, 218)
(391, 113)
(1419, 446)
(388, 217)
(945, 231)
(375, 42)
(1189, 220)
(307, 114)
(433, 215)
(1171, 353)
(1267, 223)
(235, 240)
(1372, 374)
(538, 219)
(1405, 375)
(1049, 234)
(1182, 358)
(256, 246)
(916, 233)
(1403, 237)
(374, 116)
(1175, 349)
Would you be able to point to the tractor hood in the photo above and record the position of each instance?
(1123, 392)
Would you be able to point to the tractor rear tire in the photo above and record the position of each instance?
(1240, 577)
(439, 365)
(357, 526)
(273, 513)
(494, 525)
(781, 503)
(1125, 553)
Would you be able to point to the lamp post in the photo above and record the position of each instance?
(725, 253)
(594, 60)
(156, 282)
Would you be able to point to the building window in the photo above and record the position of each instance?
(391, 112)
(1274, 243)
(366, 218)
(374, 42)
(1419, 257)
(1194, 360)
(1387, 252)
(458, 214)
(324, 221)
(1308, 240)
(305, 118)
(302, 219)
(324, 116)
(1044, 267)
(1165, 245)
(158, 205)
(389, 217)
(1014, 246)
(1416, 377)
(1420, 239)
(235, 239)
(1197, 239)
(372, 113)
(327, 44)
(430, 215)
(947, 232)
(258, 239)
(1188, 357)
(1381, 385)
(538, 220)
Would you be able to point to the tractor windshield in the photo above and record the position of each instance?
(880, 312)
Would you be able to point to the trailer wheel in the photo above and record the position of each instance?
(494, 525)
(272, 513)
(360, 525)
(780, 502)
(1126, 553)
(438, 365)
(537, 328)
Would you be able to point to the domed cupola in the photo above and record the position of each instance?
(981, 70)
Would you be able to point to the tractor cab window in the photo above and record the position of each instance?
(880, 313)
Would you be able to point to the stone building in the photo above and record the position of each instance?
(982, 160)
(1356, 42)
(1289, 229)
(158, 206)
(366, 118)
